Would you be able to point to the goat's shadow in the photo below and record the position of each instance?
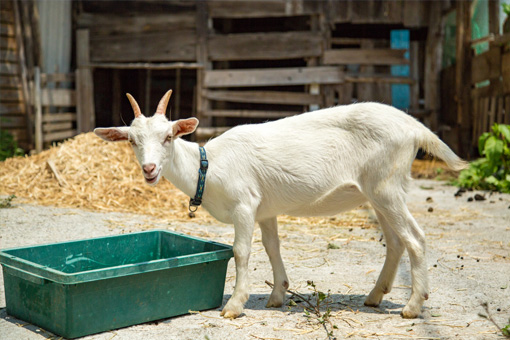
(337, 302)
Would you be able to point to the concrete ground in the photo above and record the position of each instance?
(468, 258)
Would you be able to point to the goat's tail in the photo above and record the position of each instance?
(435, 146)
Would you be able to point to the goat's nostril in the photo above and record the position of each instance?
(149, 168)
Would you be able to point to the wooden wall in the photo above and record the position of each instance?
(13, 109)
(249, 61)
(490, 80)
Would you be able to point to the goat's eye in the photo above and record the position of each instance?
(133, 143)
(168, 138)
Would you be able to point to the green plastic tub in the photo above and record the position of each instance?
(83, 287)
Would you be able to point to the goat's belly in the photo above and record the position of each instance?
(343, 198)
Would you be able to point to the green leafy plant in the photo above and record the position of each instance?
(492, 171)
(8, 146)
(312, 309)
(506, 9)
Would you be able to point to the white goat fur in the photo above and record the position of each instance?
(317, 163)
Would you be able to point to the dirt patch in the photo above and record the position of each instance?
(468, 257)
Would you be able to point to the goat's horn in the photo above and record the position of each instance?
(134, 105)
(163, 103)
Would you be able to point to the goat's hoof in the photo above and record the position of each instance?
(408, 313)
(373, 301)
(274, 302)
(229, 314)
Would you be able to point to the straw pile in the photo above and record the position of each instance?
(86, 172)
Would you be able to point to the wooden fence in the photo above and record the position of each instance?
(490, 80)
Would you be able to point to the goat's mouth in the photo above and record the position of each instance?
(154, 179)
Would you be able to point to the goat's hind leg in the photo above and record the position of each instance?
(399, 218)
(394, 250)
(271, 243)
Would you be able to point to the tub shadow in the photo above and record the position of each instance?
(26, 325)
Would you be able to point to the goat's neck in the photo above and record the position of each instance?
(182, 169)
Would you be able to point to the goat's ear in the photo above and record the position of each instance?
(114, 134)
(184, 127)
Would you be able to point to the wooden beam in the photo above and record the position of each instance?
(274, 77)
(486, 65)
(146, 66)
(260, 46)
(58, 117)
(23, 70)
(377, 78)
(84, 83)
(57, 127)
(433, 62)
(260, 8)
(203, 24)
(164, 46)
(54, 136)
(265, 97)
(58, 97)
(463, 72)
(505, 75)
(106, 24)
(357, 56)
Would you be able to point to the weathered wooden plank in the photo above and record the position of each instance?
(255, 9)
(274, 77)
(493, 89)
(6, 30)
(12, 121)
(377, 78)
(8, 43)
(106, 24)
(84, 83)
(11, 108)
(58, 117)
(340, 11)
(259, 46)
(6, 15)
(376, 56)
(85, 100)
(505, 72)
(9, 69)
(164, 46)
(9, 82)
(486, 65)
(12, 95)
(8, 56)
(250, 113)
(57, 77)
(265, 97)
(55, 136)
(413, 13)
(507, 109)
(57, 127)
(58, 97)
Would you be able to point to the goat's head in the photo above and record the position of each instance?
(152, 138)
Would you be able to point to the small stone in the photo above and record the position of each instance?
(470, 199)
(430, 209)
(429, 199)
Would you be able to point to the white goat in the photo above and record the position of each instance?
(317, 163)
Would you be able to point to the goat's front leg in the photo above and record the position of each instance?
(271, 243)
(243, 226)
